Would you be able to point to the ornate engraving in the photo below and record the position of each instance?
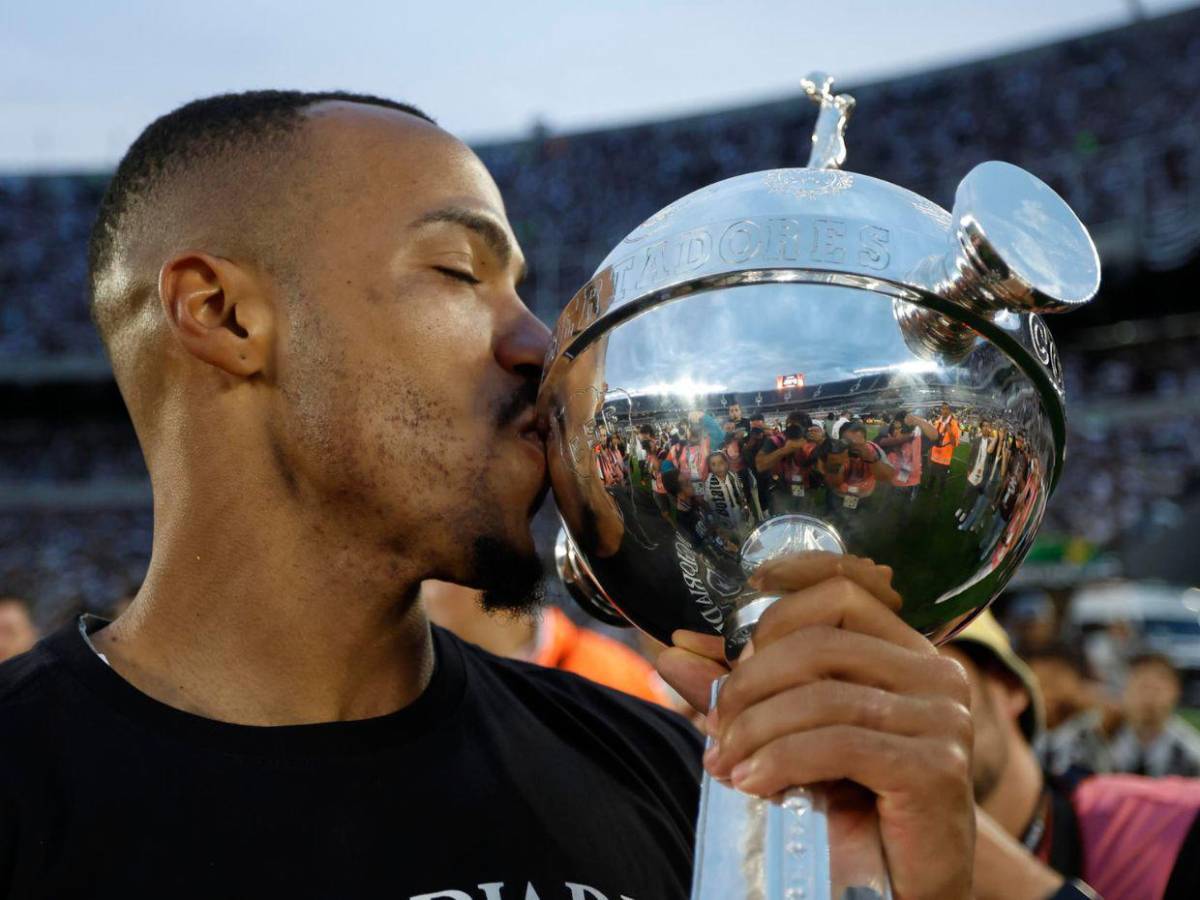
(1045, 349)
(805, 184)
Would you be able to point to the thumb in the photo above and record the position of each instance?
(691, 666)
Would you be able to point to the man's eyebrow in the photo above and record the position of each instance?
(483, 225)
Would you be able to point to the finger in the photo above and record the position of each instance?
(820, 652)
(825, 703)
(802, 570)
(709, 645)
(887, 764)
(838, 602)
(690, 674)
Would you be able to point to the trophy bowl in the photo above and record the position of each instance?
(812, 359)
(809, 298)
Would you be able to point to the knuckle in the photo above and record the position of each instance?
(958, 722)
(949, 762)
(875, 709)
(952, 678)
(844, 590)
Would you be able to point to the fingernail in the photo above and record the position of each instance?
(710, 756)
(742, 772)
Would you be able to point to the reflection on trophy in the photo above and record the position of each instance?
(875, 337)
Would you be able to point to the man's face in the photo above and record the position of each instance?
(945, 409)
(17, 633)
(854, 438)
(1151, 695)
(406, 320)
(735, 412)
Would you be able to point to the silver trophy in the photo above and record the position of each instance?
(811, 359)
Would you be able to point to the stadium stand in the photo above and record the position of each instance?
(1111, 120)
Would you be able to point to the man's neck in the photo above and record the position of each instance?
(271, 623)
(1013, 801)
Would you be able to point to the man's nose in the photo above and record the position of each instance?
(522, 345)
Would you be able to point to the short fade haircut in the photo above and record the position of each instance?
(200, 132)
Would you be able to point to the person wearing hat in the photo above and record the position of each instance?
(1120, 837)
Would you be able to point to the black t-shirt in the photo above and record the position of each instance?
(502, 781)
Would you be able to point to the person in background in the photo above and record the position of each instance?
(1078, 724)
(1038, 836)
(691, 456)
(902, 446)
(17, 631)
(1154, 740)
(757, 440)
(787, 463)
(835, 428)
(983, 453)
(739, 422)
(853, 466)
(731, 509)
(942, 453)
(547, 638)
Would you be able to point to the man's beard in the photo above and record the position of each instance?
(512, 581)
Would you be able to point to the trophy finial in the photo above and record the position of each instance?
(829, 134)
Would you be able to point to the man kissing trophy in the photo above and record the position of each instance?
(803, 294)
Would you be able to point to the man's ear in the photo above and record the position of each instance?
(218, 310)
(1013, 697)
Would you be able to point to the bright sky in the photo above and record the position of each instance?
(80, 78)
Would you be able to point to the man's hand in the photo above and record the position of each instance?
(836, 686)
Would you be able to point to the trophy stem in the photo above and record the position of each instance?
(748, 848)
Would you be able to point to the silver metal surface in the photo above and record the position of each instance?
(815, 294)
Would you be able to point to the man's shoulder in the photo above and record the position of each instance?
(581, 699)
(25, 679)
(35, 700)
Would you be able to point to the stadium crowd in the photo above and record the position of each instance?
(1115, 134)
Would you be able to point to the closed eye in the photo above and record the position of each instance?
(457, 274)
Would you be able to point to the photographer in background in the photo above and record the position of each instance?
(852, 466)
(787, 462)
(941, 454)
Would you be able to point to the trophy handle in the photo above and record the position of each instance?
(748, 848)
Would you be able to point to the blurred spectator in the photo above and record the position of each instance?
(1078, 723)
(17, 632)
(1032, 621)
(547, 639)
(1114, 135)
(1154, 740)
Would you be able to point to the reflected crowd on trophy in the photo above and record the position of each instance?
(719, 478)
